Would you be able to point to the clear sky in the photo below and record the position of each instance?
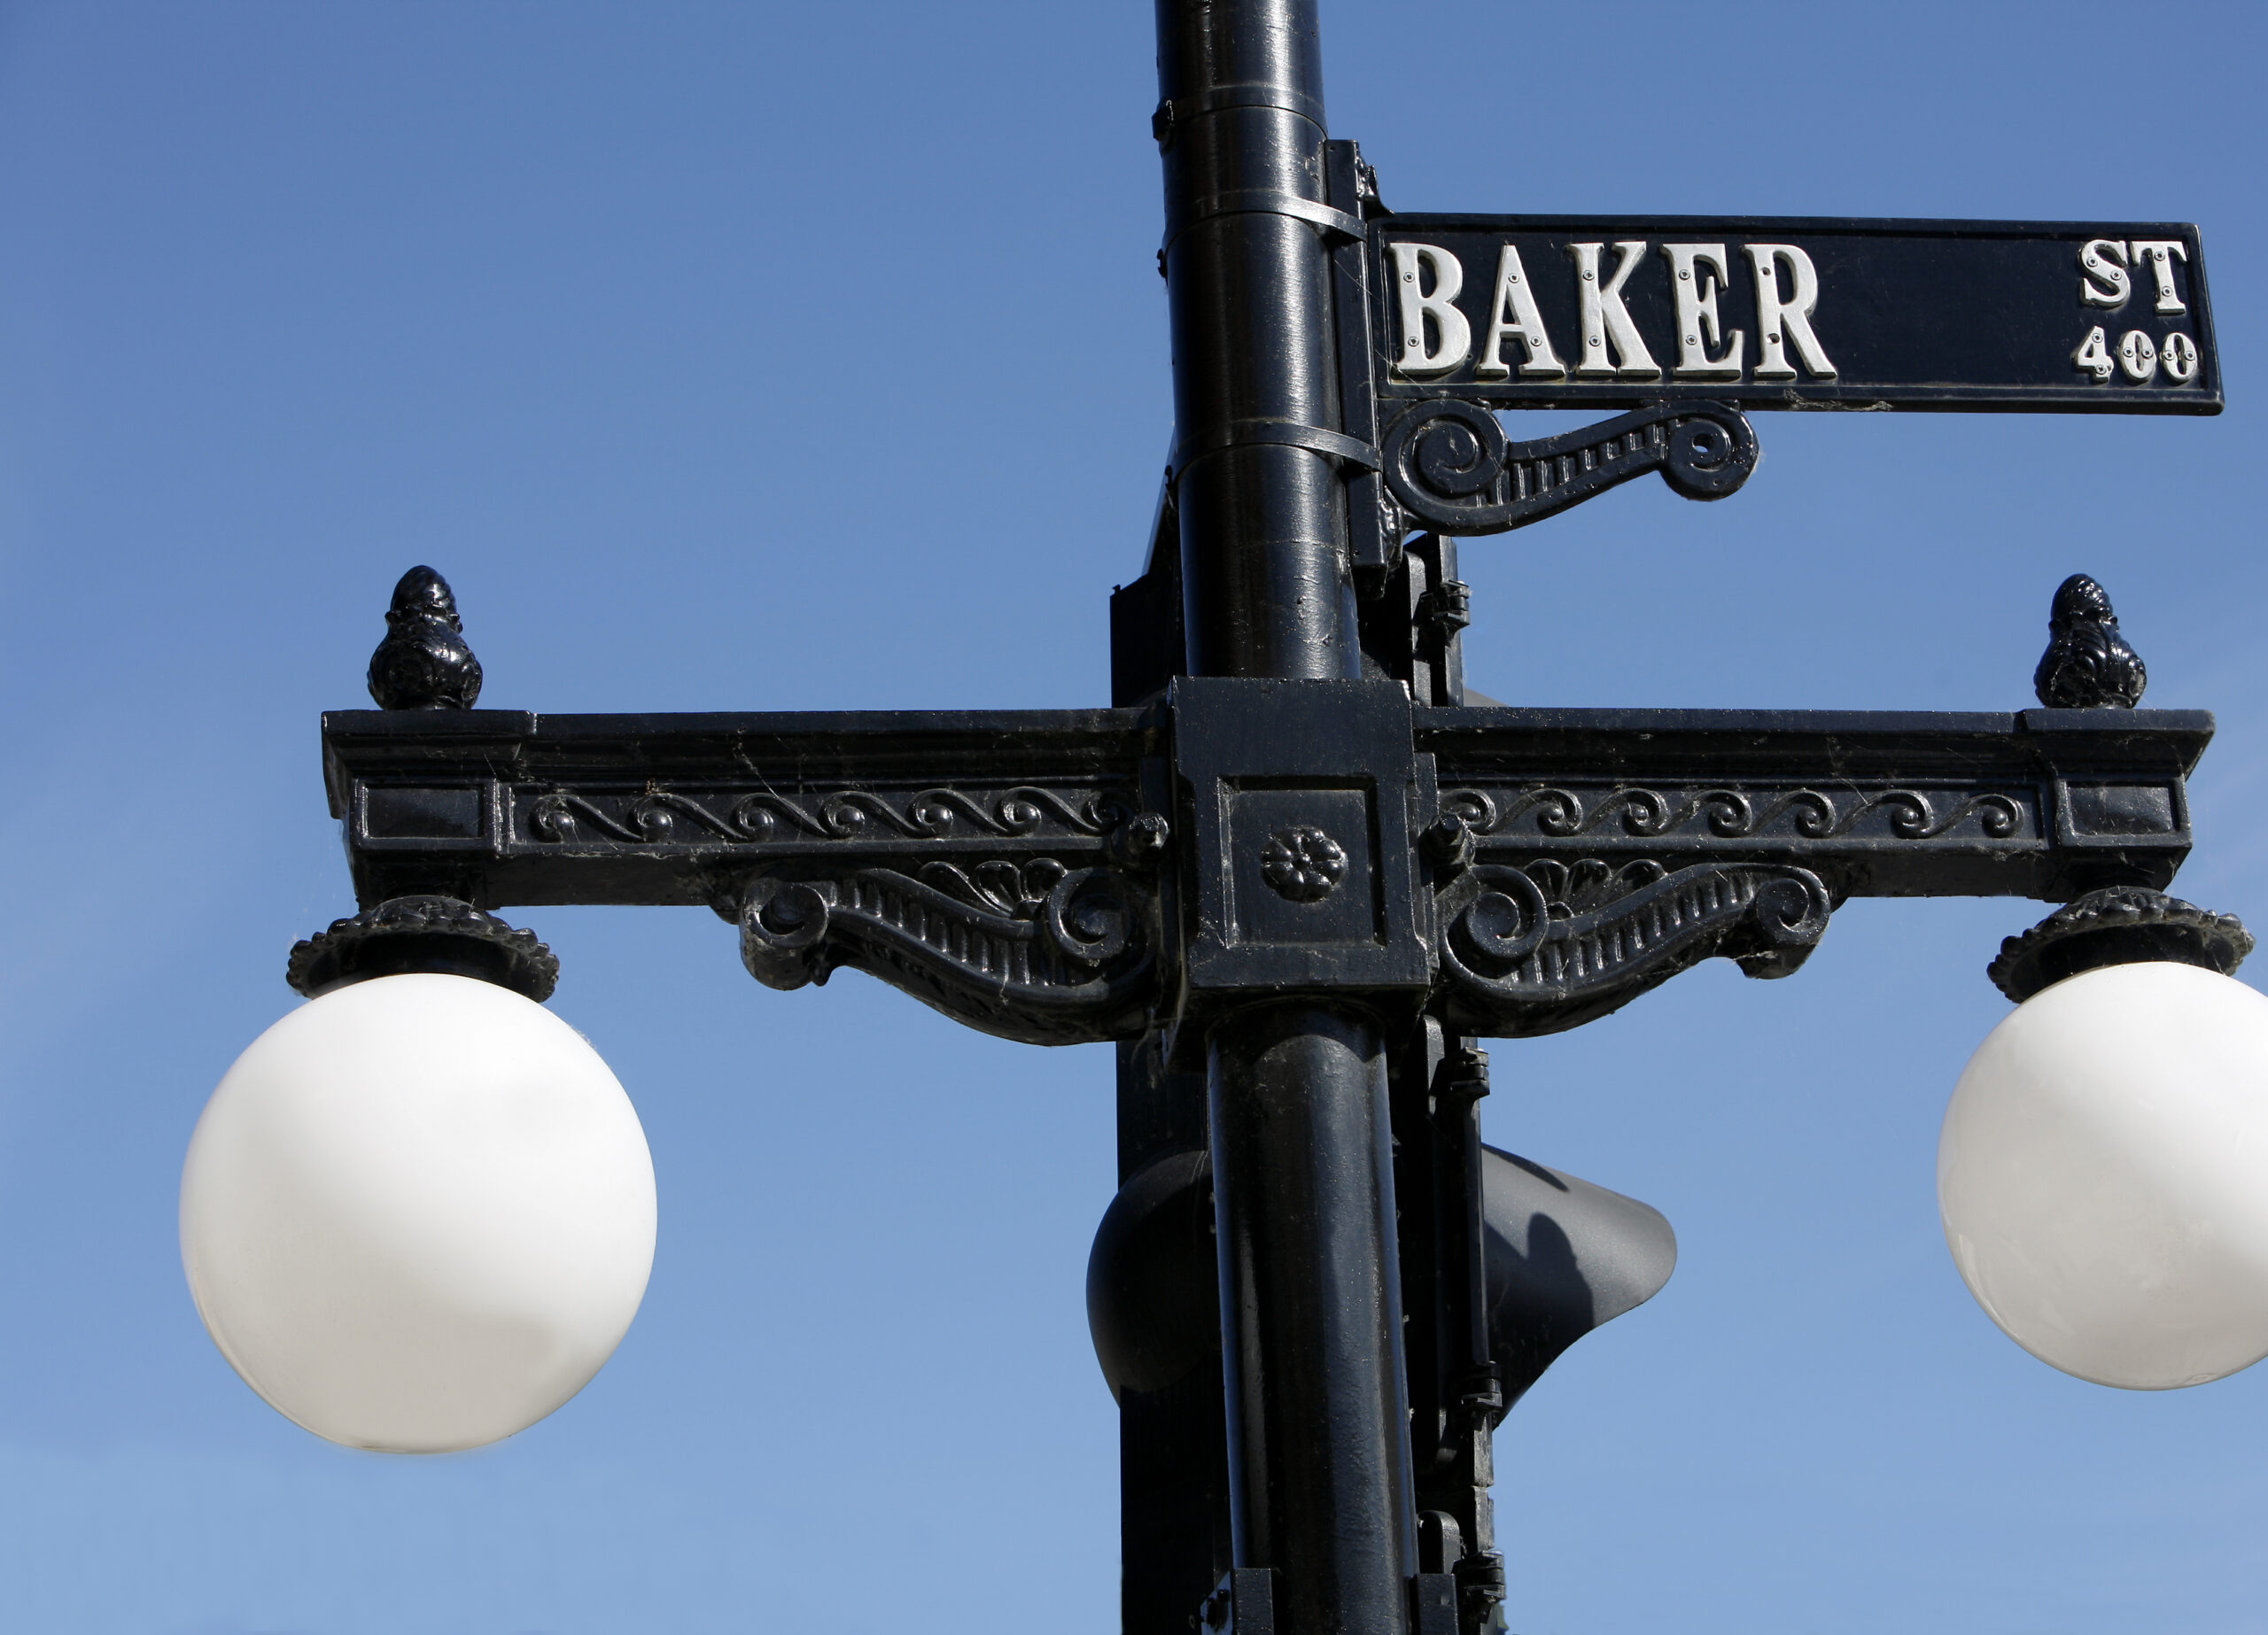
(776, 356)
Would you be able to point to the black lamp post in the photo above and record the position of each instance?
(1294, 873)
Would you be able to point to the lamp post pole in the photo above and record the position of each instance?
(1319, 1483)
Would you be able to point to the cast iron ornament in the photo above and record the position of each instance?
(1549, 947)
(2088, 664)
(1032, 952)
(652, 816)
(1302, 862)
(2118, 925)
(1447, 462)
(1029, 896)
(424, 663)
(423, 933)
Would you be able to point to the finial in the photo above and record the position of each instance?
(423, 663)
(2088, 664)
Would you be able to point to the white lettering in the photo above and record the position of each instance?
(2137, 355)
(2179, 357)
(2093, 354)
(1513, 317)
(1606, 321)
(1786, 318)
(2160, 254)
(2102, 272)
(1452, 335)
(1692, 282)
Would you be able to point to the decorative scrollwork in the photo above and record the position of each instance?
(1030, 950)
(1447, 462)
(1733, 814)
(1572, 888)
(661, 817)
(1549, 947)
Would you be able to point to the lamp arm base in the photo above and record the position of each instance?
(2118, 925)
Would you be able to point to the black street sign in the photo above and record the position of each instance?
(1565, 312)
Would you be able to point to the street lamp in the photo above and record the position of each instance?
(418, 1213)
(1295, 872)
(2100, 1175)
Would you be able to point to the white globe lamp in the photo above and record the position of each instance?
(418, 1213)
(2102, 1174)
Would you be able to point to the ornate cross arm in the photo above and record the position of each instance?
(2036, 803)
(1058, 876)
(1592, 854)
(1000, 866)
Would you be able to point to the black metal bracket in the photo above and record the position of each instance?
(1032, 952)
(1448, 465)
(1520, 956)
(1443, 462)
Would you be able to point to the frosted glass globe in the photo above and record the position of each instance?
(2104, 1176)
(418, 1213)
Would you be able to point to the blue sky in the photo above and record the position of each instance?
(293, 297)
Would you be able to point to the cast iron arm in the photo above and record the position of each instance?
(1025, 871)
(1000, 866)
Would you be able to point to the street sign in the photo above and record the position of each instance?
(1765, 312)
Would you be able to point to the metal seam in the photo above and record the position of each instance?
(1218, 97)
